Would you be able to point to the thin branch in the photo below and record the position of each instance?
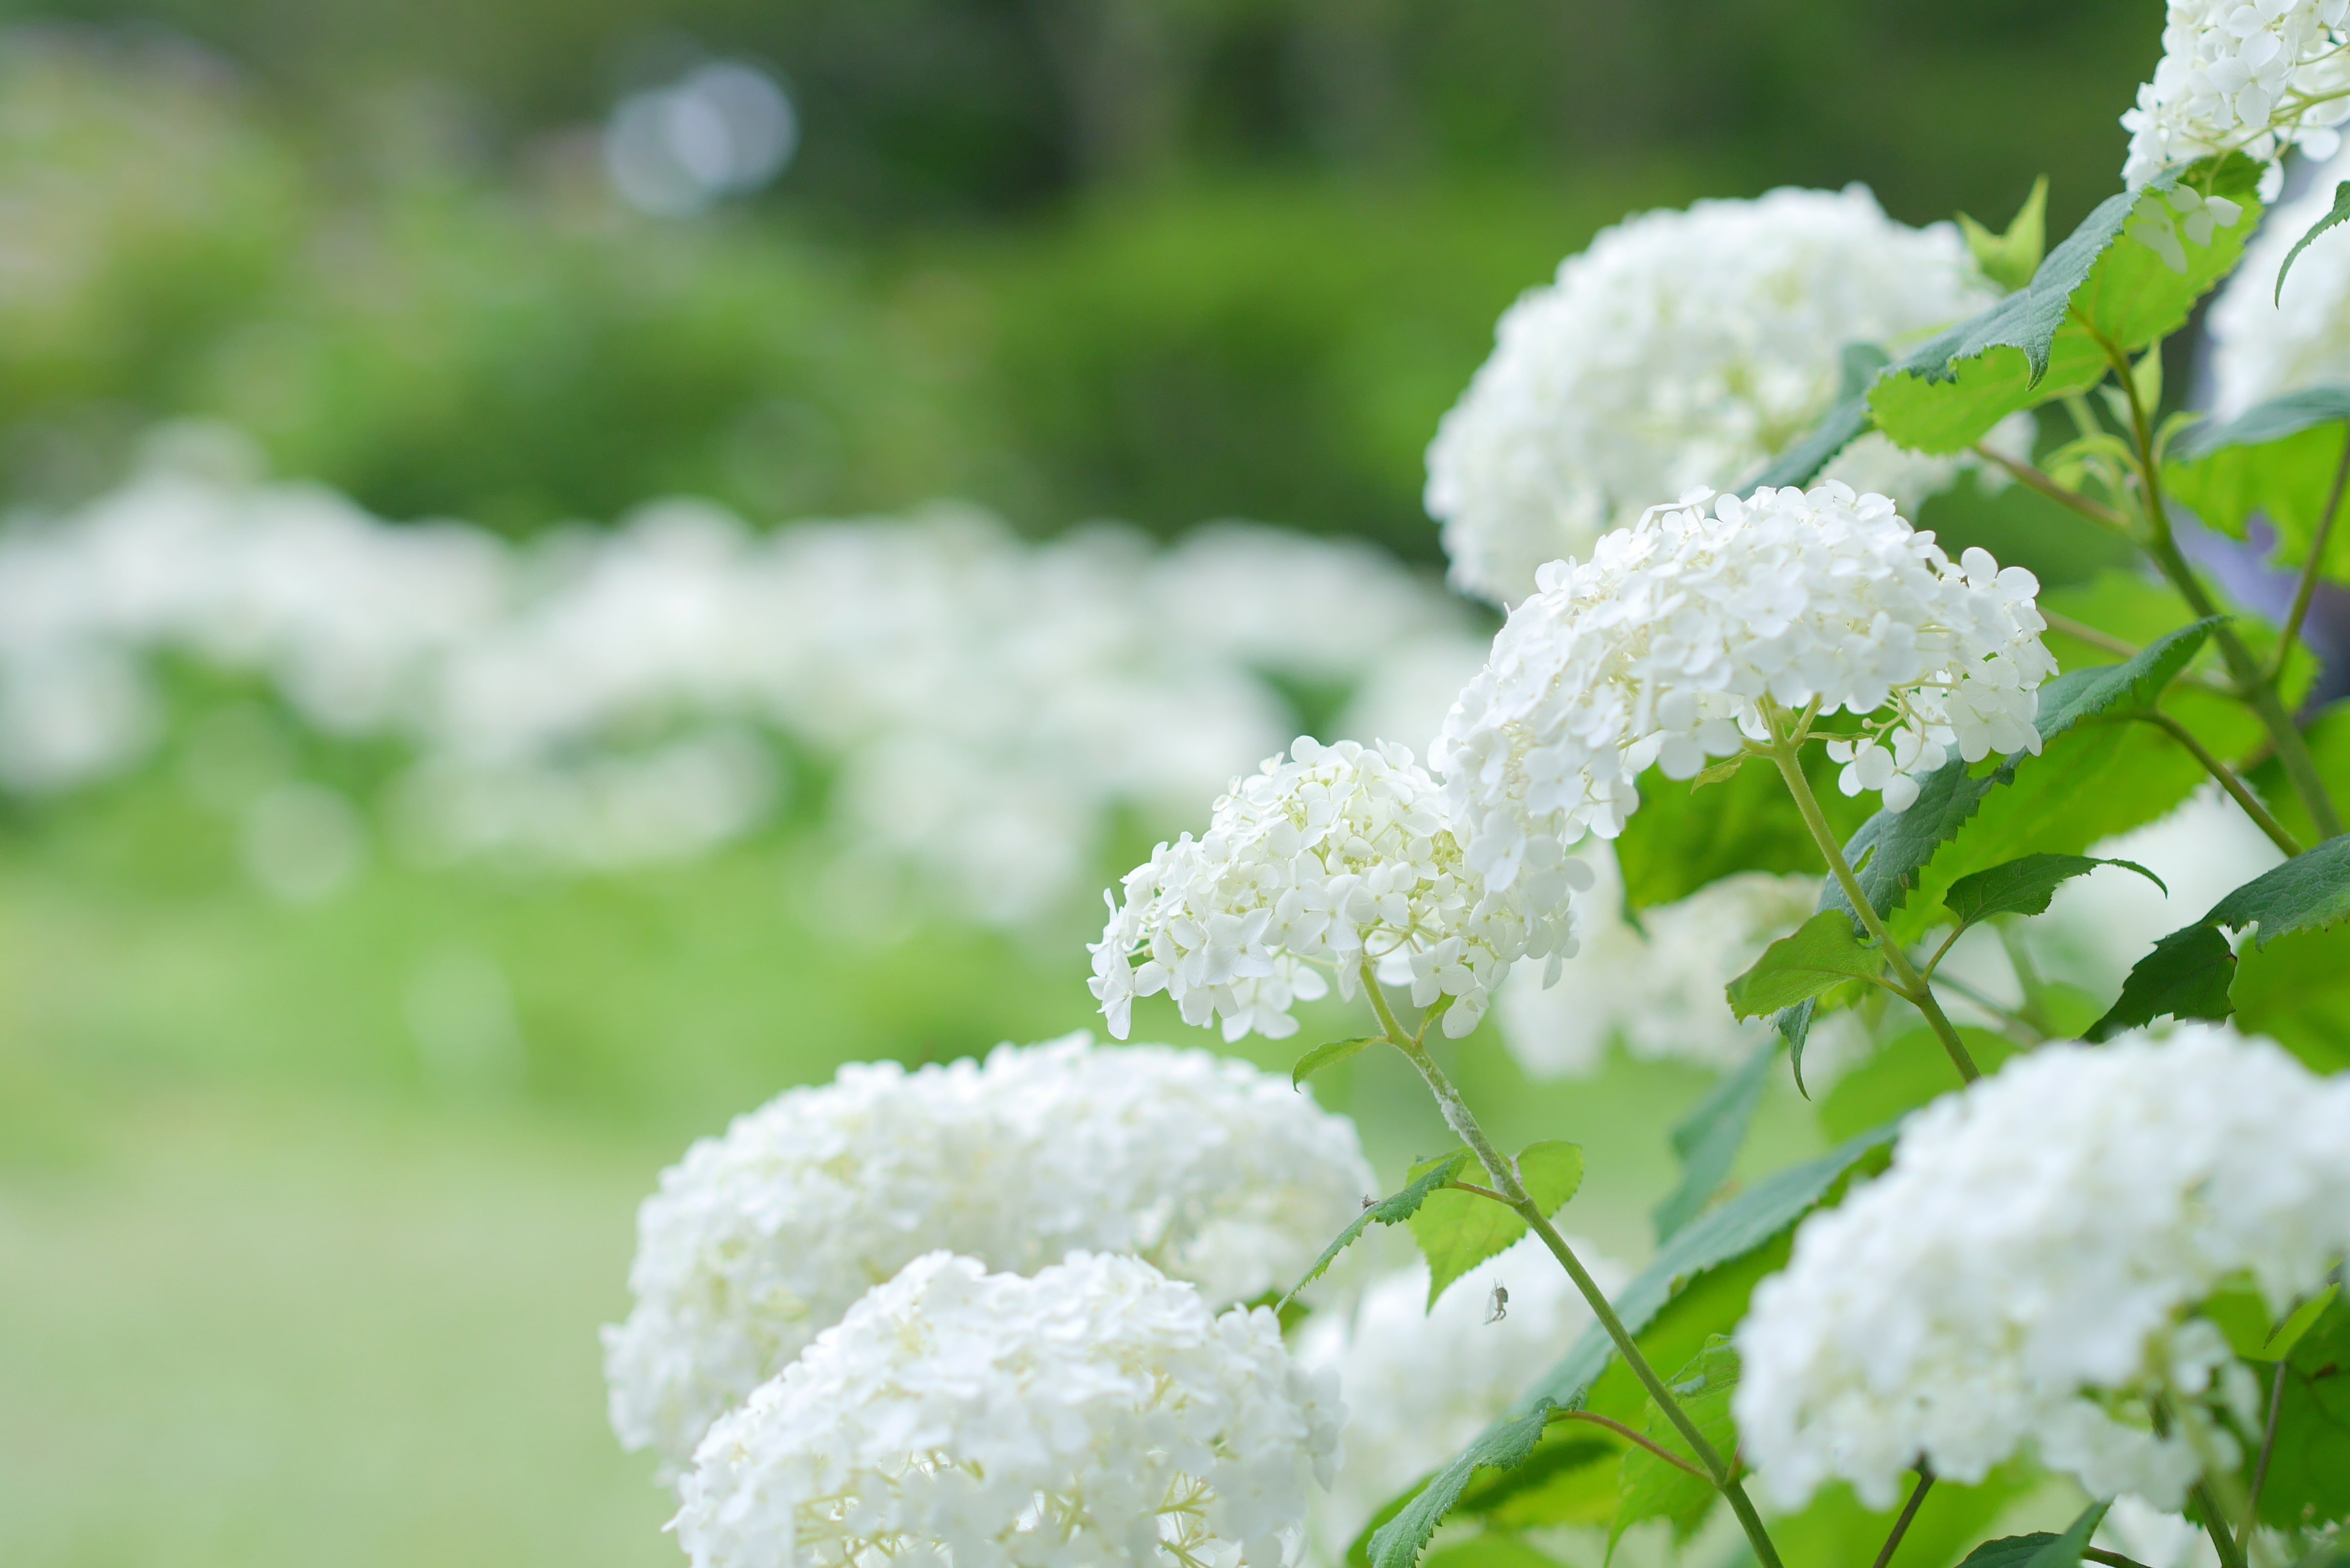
(2306, 589)
(2099, 1554)
(2268, 1447)
(2236, 788)
(1901, 1525)
(2081, 631)
(1942, 952)
(1482, 1192)
(2016, 1023)
(2035, 479)
(1629, 1435)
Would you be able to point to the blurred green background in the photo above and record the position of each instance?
(274, 1291)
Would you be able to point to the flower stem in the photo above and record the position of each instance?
(2253, 687)
(1901, 1525)
(2214, 1525)
(2261, 1466)
(2306, 589)
(1504, 1173)
(1913, 987)
(2229, 781)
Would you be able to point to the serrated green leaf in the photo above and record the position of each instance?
(2040, 1548)
(1708, 1139)
(1652, 1488)
(1712, 1241)
(2044, 340)
(1569, 1479)
(2010, 259)
(1822, 952)
(1426, 1177)
(2334, 214)
(1329, 1055)
(2025, 886)
(2309, 1469)
(2280, 459)
(1459, 1231)
(2190, 972)
(1894, 847)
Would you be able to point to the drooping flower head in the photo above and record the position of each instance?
(1684, 349)
(1098, 1414)
(1336, 856)
(1421, 1381)
(2027, 1272)
(1664, 647)
(2254, 77)
(758, 1239)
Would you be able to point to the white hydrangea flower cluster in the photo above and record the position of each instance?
(986, 705)
(1684, 349)
(2264, 345)
(1097, 1414)
(2243, 76)
(1656, 988)
(1665, 646)
(759, 1239)
(1420, 1382)
(1334, 858)
(2025, 1274)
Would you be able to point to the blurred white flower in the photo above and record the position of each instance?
(1665, 646)
(1097, 1415)
(2264, 345)
(1339, 857)
(724, 129)
(1420, 1382)
(1657, 988)
(759, 1239)
(2025, 1276)
(2254, 79)
(1684, 349)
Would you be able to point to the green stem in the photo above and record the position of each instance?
(2234, 785)
(2261, 1466)
(1913, 987)
(1901, 1525)
(2253, 685)
(1504, 1174)
(2216, 1527)
(2035, 479)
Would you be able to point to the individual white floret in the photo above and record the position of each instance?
(2254, 77)
(1420, 1383)
(1684, 349)
(1097, 1414)
(1656, 988)
(1333, 858)
(2264, 344)
(1666, 646)
(2025, 1276)
(758, 1239)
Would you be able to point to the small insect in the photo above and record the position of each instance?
(1369, 1201)
(1497, 1305)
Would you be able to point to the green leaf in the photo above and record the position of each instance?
(1823, 953)
(1569, 1479)
(1329, 1055)
(2011, 259)
(1426, 1178)
(2040, 1548)
(1459, 1231)
(2334, 214)
(1838, 429)
(2025, 886)
(1652, 1488)
(2280, 459)
(2043, 341)
(2309, 1470)
(1490, 1549)
(1713, 1240)
(1909, 1071)
(2189, 972)
(1684, 838)
(2296, 990)
(1708, 1139)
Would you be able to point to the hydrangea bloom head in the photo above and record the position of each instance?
(1683, 348)
(1209, 1170)
(1098, 1414)
(1337, 857)
(1664, 647)
(2026, 1274)
(2236, 77)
